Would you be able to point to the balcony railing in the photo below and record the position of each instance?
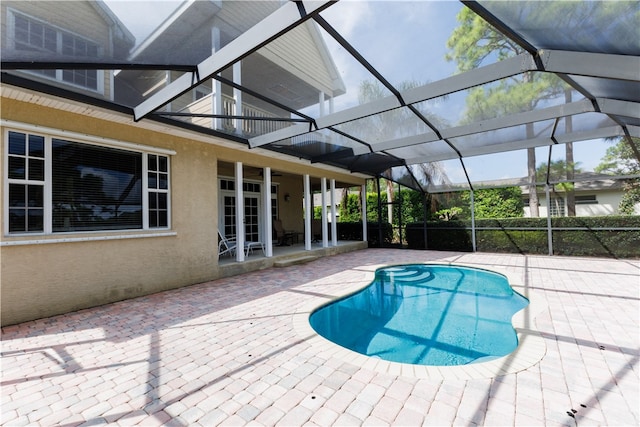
(250, 127)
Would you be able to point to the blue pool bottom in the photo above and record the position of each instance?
(427, 315)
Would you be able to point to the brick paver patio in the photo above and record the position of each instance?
(229, 353)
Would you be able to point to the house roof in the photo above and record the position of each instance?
(413, 118)
(123, 38)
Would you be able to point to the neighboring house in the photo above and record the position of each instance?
(96, 207)
(596, 197)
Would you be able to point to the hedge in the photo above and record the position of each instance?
(353, 231)
(577, 236)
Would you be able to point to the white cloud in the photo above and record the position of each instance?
(346, 16)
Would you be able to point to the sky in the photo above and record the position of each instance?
(405, 41)
(142, 17)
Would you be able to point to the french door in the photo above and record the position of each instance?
(251, 217)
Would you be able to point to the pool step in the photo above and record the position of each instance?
(294, 261)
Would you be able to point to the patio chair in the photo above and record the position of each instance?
(248, 247)
(228, 246)
(282, 236)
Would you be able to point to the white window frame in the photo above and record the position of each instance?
(11, 31)
(589, 199)
(50, 134)
(146, 190)
(275, 205)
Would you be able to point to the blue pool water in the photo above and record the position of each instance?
(426, 315)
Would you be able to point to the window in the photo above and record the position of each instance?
(86, 187)
(229, 216)
(26, 182)
(274, 202)
(251, 187)
(586, 200)
(95, 188)
(556, 206)
(37, 37)
(247, 187)
(158, 184)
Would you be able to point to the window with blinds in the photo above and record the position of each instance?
(56, 185)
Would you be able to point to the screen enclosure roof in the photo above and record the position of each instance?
(422, 92)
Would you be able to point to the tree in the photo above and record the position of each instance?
(621, 159)
(557, 172)
(474, 41)
(570, 171)
(488, 203)
(495, 203)
(350, 208)
(624, 159)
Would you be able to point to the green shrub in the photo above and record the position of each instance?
(441, 235)
(576, 236)
(353, 231)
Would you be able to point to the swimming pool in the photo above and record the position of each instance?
(426, 314)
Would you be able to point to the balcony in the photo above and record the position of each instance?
(205, 106)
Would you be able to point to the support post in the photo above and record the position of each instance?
(380, 234)
(237, 97)
(321, 103)
(363, 213)
(308, 214)
(323, 198)
(425, 212)
(216, 85)
(334, 226)
(239, 213)
(399, 202)
(473, 221)
(266, 212)
(549, 230)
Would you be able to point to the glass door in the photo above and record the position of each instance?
(229, 217)
(251, 219)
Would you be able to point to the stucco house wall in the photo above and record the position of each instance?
(607, 203)
(44, 275)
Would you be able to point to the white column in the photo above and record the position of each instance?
(167, 81)
(216, 86)
(237, 96)
(331, 105)
(364, 212)
(334, 226)
(308, 214)
(239, 214)
(266, 212)
(325, 228)
(321, 103)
